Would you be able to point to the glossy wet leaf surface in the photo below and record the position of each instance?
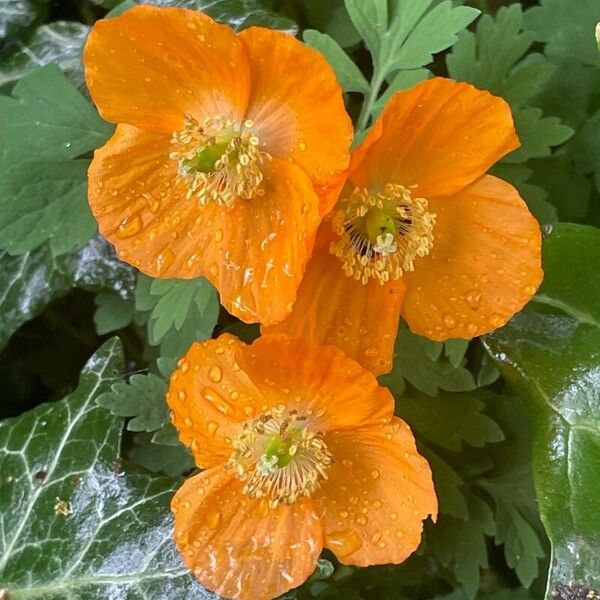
(550, 353)
(76, 523)
(30, 281)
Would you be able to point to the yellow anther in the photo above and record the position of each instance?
(279, 458)
(219, 160)
(381, 235)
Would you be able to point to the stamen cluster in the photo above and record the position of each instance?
(279, 458)
(219, 160)
(382, 234)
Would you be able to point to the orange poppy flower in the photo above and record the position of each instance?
(226, 149)
(301, 450)
(421, 230)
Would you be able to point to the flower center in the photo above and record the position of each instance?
(279, 458)
(381, 235)
(219, 160)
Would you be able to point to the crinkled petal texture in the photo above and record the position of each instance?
(254, 252)
(296, 103)
(439, 137)
(219, 384)
(150, 66)
(484, 267)
(377, 495)
(368, 511)
(333, 308)
(241, 548)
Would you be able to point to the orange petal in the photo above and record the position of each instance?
(221, 383)
(239, 548)
(332, 308)
(296, 103)
(439, 136)
(150, 66)
(484, 267)
(319, 381)
(254, 253)
(209, 396)
(378, 493)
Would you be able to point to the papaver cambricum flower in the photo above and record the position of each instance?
(301, 450)
(421, 230)
(224, 156)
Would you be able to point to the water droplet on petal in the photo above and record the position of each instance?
(215, 374)
(473, 298)
(164, 260)
(345, 542)
(449, 321)
(213, 518)
(129, 227)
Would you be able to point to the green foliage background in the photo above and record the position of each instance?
(510, 423)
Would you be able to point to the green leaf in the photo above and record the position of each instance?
(584, 147)
(348, 74)
(448, 485)
(405, 37)
(462, 544)
(142, 398)
(166, 459)
(538, 134)
(550, 354)
(449, 420)
(508, 594)
(568, 190)
(567, 28)
(175, 299)
(76, 522)
(59, 43)
(47, 118)
(43, 193)
(32, 280)
(113, 312)
(370, 17)
(412, 364)
(332, 18)
(490, 59)
(416, 34)
(241, 14)
(486, 58)
(44, 201)
(177, 312)
(17, 15)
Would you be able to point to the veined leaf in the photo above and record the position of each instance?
(59, 43)
(30, 281)
(245, 13)
(550, 353)
(77, 524)
(17, 15)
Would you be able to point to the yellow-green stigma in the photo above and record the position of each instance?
(279, 458)
(382, 234)
(219, 160)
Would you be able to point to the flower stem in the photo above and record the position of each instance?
(370, 99)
